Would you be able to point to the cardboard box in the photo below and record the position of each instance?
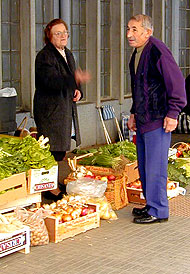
(135, 196)
(42, 179)
(15, 187)
(58, 232)
(15, 241)
(131, 172)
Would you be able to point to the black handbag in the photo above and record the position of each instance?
(183, 123)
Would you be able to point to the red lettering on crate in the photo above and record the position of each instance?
(14, 242)
(43, 186)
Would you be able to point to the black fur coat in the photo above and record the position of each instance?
(53, 100)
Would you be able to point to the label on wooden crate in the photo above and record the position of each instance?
(12, 242)
(42, 180)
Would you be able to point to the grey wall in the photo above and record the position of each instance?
(90, 124)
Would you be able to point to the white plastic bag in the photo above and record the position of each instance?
(87, 187)
(8, 92)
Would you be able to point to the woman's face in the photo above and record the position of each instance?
(59, 36)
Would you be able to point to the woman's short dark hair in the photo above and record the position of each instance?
(49, 26)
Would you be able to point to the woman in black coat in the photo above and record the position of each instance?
(57, 90)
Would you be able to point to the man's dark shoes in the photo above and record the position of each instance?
(138, 212)
(148, 219)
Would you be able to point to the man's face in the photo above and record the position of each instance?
(137, 36)
(59, 36)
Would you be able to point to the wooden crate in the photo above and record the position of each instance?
(101, 170)
(42, 179)
(15, 187)
(22, 202)
(19, 240)
(58, 232)
(131, 172)
(135, 196)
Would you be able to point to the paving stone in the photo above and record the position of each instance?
(116, 248)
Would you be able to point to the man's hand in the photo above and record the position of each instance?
(77, 95)
(169, 124)
(132, 123)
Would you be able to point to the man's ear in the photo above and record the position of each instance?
(148, 33)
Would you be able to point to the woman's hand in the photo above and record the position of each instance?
(77, 95)
(132, 123)
(82, 76)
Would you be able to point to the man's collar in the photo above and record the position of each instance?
(142, 47)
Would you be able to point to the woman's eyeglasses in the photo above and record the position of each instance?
(60, 33)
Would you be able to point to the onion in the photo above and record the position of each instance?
(57, 216)
(76, 213)
(91, 210)
(46, 206)
(106, 215)
(69, 209)
(66, 218)
(53, 205)
(84, 211)
(80, 175)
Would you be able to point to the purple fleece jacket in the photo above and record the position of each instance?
(174, 84)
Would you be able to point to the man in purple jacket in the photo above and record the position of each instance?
(158, 93)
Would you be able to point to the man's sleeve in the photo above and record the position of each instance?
(174, 83)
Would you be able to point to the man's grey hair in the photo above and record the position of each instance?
(145, 19)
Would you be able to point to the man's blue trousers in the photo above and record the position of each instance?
(152, 152)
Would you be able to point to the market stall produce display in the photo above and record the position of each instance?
(113, 155)
(107, 163)
(106, 211)
(13, 188)
(84, 179)
(135, 193)
(20, 155)
(113, 167)
(26, 155)
(70, 216)
(14, 236)
(9, 223)
(35, 220)
(179, 165)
